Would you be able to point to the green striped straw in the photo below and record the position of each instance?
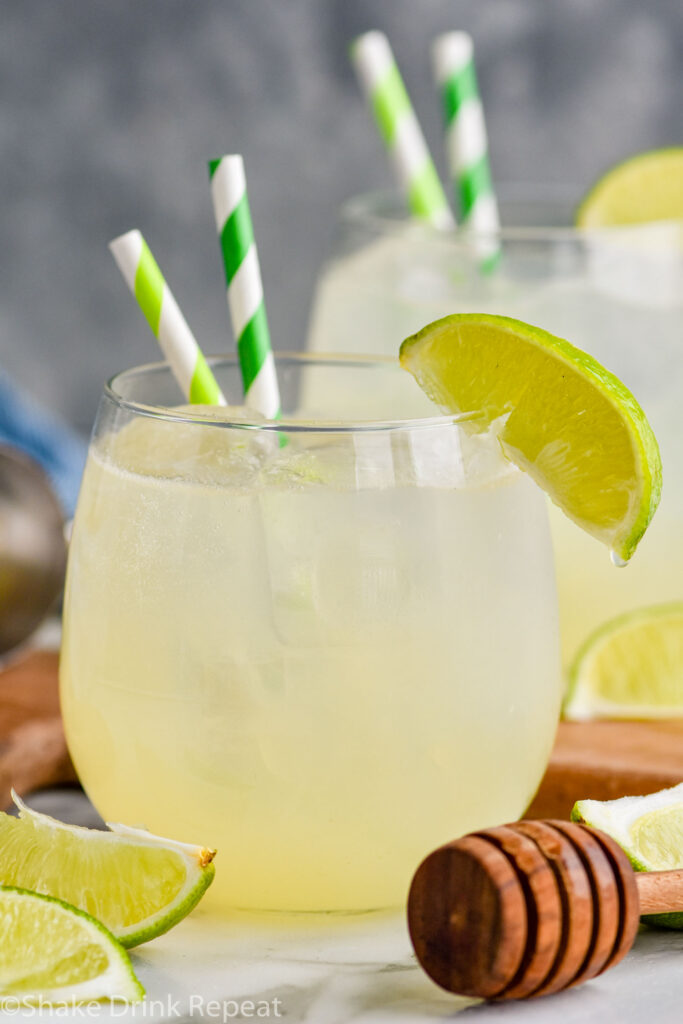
(168, 325)
(466, 139)
(243, 280)
(381, 81)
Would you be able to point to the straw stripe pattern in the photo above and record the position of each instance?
(168, 325)
(466, 139)
(244, 287)
(398, 126)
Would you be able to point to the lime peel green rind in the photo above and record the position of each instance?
(81, 945)
(189, 899)
(638, 656)
(139, 885)
(432, 354)
(644, 188)
(632, 821)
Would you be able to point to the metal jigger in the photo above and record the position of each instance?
(32, 547)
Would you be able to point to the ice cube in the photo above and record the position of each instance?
(205, 450)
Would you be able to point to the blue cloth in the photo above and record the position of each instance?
(44, 437)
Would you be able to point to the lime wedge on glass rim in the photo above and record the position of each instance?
(631, 667)
(648, 828)
(645, 188)
(53, 954)
(560, 416)
(137, 884)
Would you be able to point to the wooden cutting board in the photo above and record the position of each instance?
(598, 760)
(606, 760)
(33, 750)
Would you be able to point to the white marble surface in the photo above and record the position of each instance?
(350, 970)
(359, 970)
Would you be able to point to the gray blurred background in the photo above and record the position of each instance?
(108, 113)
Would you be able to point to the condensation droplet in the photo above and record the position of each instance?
(616, 560)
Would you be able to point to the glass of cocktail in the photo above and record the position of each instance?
(325, 644)
(615, 292)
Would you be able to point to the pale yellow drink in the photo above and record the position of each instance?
(323, 659)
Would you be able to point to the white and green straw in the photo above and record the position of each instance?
(168, 325)
(466, 139)
(245, 289)
(381, 81)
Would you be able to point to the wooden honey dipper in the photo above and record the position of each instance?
(530, 908)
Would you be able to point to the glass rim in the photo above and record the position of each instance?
(283, 425)
(363, 209)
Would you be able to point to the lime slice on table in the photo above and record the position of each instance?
(650, 830)
(561, 417)
(52, 953)
(647, 187)
(137, 884)
(631, 667)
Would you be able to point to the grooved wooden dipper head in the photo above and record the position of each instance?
(523, 910)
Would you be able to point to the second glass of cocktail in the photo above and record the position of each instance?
(617, 293)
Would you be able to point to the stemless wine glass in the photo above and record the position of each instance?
(616, 293)
(321, 646)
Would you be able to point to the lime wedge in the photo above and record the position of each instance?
(135, 883)
(631, 667)
(650, 830)
(647, 187)
(561, 417)
(53, 954)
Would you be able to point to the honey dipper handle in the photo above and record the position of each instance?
(660, 892)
